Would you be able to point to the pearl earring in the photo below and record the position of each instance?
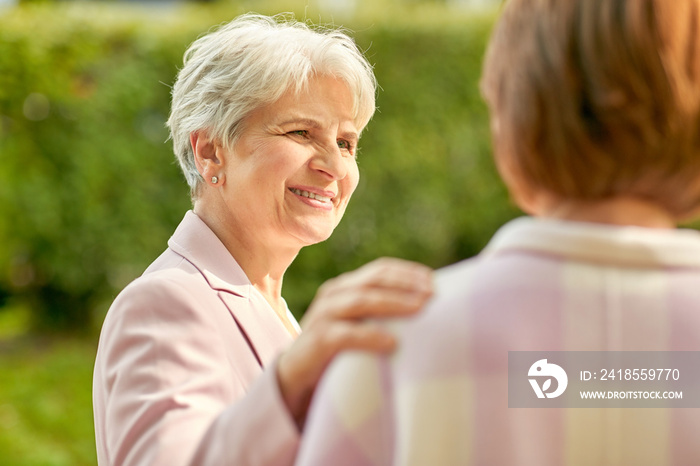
(214, 179)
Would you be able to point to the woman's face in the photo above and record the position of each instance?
(291, 173)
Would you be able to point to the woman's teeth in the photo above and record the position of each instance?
(318, 197)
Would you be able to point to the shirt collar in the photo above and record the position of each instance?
(197, 243)
(604, 244)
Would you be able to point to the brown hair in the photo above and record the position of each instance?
(592, 99)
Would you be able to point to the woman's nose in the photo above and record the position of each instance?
(329, 160)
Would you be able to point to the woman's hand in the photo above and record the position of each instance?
(335, 321)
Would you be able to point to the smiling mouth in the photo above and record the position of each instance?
(318, 197)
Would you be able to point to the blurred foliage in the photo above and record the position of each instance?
(90, 192)
(45, 403)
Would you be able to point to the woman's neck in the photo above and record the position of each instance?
(262, 261)
(614, 211)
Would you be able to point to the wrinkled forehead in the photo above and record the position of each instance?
(362, 99)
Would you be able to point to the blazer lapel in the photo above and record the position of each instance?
(259, 324)
(256, 320)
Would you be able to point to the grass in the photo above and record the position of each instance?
(46, 401)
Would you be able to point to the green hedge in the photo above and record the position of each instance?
(89, 191)
(46, 411)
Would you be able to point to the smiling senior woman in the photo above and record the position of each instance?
(197, 361)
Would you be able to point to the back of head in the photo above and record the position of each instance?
(251, 62)
(592, 99)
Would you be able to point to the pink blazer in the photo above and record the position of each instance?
(185, 369)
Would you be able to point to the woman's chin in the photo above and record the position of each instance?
(313, 234)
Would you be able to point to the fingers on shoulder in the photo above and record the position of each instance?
(385, 272)
(381, 303)
(342, 336)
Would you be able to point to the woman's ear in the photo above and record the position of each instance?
(207, 157)
(530, 199)
(533, 201)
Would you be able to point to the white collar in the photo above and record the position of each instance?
(606, 244)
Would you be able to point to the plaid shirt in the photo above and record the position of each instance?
(540, 285)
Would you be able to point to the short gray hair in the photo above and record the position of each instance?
(251, 62)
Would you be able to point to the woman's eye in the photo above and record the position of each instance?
(345, 145)
(299, 132)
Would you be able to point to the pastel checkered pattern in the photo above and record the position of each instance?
(540, 285)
